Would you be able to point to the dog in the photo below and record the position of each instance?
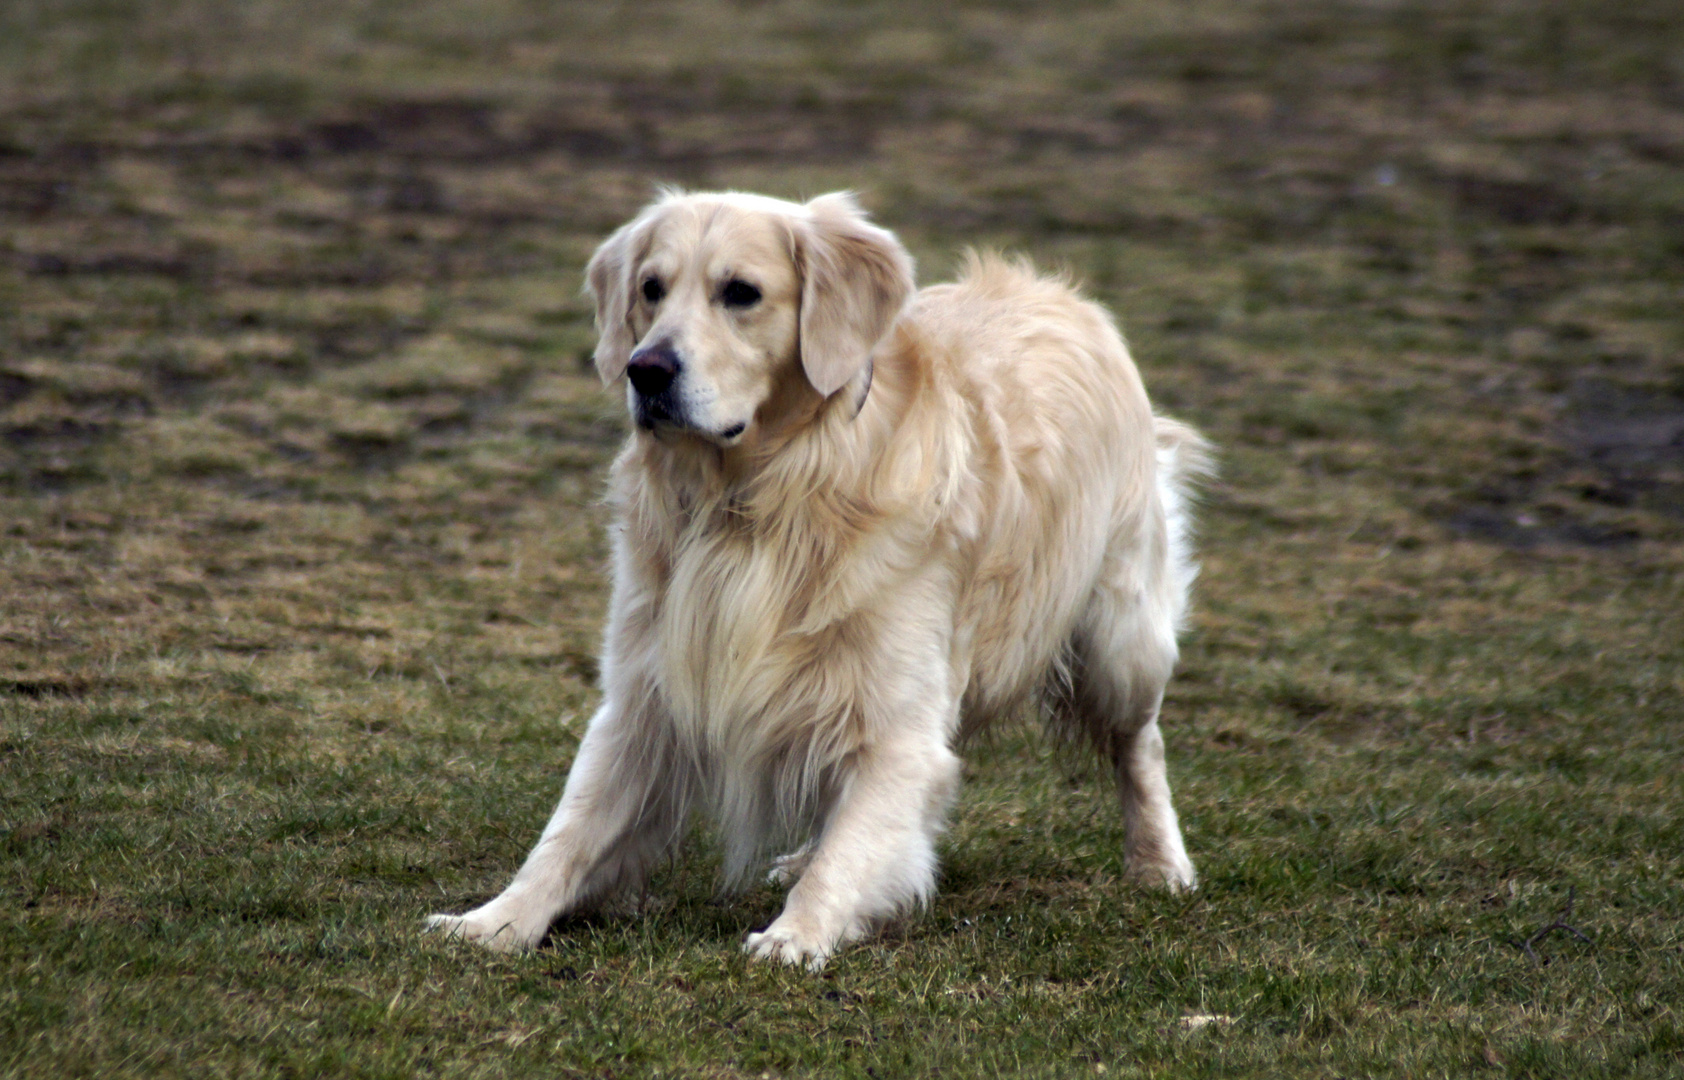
(855, 524)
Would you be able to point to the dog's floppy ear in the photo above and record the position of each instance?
(608, 280)
(855, 278)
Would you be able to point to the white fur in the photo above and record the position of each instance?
(938, 505)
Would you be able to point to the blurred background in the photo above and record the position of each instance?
(291, 291)
(265, 240)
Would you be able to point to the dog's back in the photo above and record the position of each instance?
(1069, 484)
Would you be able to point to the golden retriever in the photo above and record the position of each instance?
(854, 524)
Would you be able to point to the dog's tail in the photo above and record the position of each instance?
(1184, 459)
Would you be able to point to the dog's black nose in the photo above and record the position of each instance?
(652, 370)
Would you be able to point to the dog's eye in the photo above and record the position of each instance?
(653, 290)
(739, 293)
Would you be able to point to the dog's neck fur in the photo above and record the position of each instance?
(756, 550)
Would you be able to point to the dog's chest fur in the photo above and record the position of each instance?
(747, 627)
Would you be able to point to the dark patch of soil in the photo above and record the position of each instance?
(1526, 529)
(1515, 202)
(1621, 448)
(1633, 437)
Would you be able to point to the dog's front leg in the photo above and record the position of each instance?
(876, 856)
(624, 804)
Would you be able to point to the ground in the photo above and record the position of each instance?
(301, 550)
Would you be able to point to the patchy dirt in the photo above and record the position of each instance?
(1615, 448)
(1633, 437)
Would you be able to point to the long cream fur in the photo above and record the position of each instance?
(879, 520)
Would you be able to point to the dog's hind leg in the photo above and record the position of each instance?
(1121, 657)
(625, 804)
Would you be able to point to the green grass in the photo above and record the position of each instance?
(301, 556)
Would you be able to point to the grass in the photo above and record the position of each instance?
(301, 556)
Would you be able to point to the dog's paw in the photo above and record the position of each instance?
(788, 945)
(1176, 876)
(484, 926)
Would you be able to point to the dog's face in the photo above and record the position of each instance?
(706, 304)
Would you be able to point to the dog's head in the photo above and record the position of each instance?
(707, 304)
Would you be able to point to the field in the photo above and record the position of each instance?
(301, 551)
